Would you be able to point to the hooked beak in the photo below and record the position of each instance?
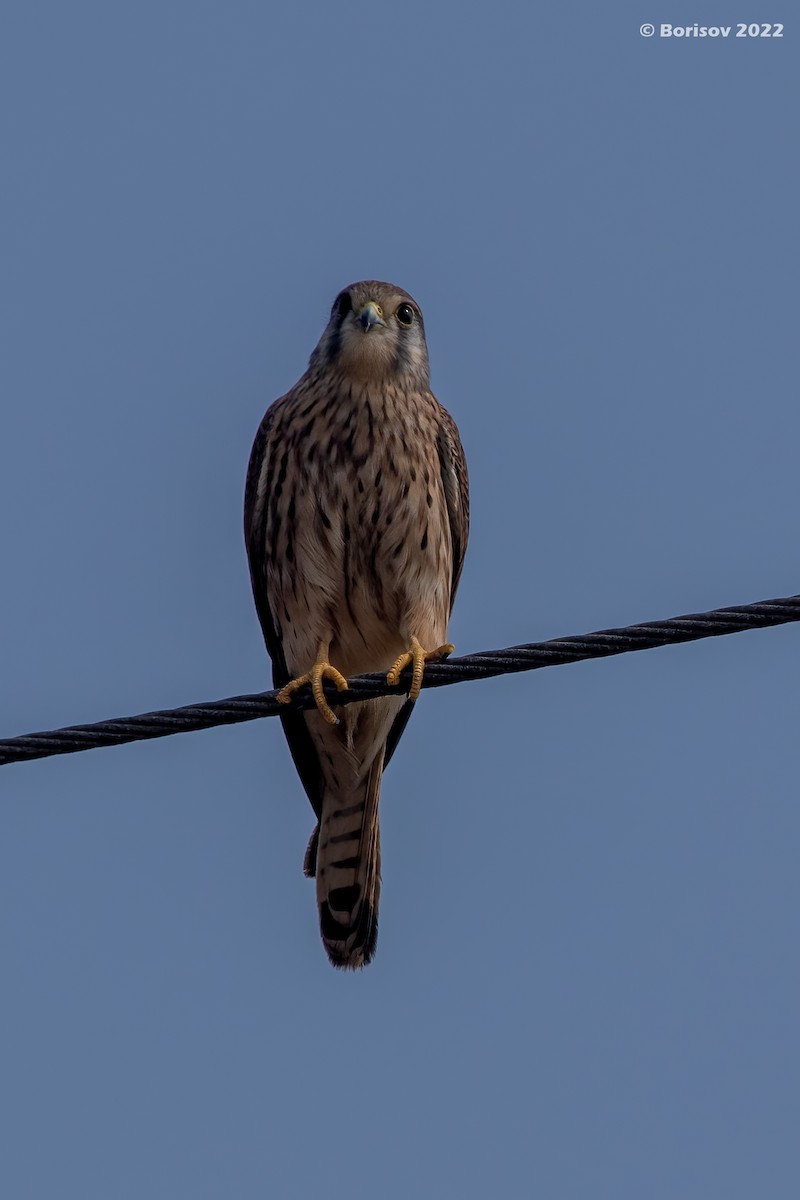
(370, 316)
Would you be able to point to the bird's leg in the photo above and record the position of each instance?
(417, 657)
(321, 669)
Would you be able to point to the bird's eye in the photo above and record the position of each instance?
(405, 315)
(343, 304)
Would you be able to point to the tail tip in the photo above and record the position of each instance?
(349, 946)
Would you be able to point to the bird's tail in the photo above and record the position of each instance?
(344, 855)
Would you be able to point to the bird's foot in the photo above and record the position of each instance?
(321, 670)
(416, 657)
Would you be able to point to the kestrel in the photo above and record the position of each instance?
(356, 523)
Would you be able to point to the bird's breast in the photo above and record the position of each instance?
(365, 553)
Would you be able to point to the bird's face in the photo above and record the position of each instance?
(375, 333)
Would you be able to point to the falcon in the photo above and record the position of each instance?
(356, 522)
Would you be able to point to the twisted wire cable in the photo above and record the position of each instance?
(484, 665)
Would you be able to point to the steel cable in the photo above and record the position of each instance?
(484, 665)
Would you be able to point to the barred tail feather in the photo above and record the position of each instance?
(345, 856)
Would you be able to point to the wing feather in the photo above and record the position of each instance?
(453, 465)
(258, 497)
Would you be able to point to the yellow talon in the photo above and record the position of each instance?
(321, 670)
(417, 657)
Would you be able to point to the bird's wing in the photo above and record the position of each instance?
(453, 466)
(256, 507)
(396, 731)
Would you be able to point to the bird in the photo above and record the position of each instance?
(356, 524)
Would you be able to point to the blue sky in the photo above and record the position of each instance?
(587, 981)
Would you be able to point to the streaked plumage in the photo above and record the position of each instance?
(356, 523)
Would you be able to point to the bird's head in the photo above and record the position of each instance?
(375, 333)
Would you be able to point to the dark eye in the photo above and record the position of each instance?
(405, 315)
(343, 304)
